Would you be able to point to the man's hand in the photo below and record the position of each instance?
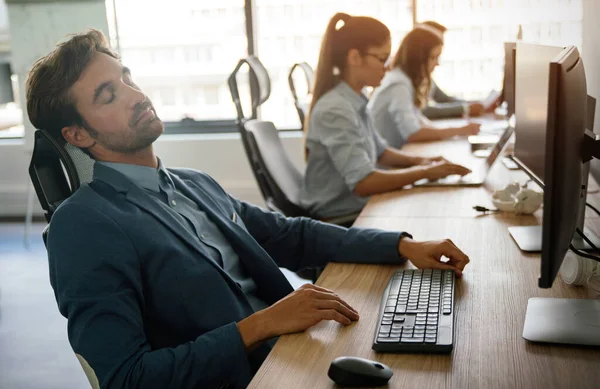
(296, 312)
(428, 255)
(442, 169)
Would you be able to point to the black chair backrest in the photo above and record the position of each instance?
(302, 103)
(282, 178)
(57, 170)
(278, 180)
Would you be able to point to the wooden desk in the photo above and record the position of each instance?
(490, 305)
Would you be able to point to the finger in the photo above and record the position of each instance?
(317, 287)
(338, 306)
(329, 295)
(444, 266)
(332, 314)
(455, 256)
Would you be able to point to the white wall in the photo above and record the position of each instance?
(591, 52)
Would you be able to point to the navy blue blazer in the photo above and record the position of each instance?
(146, 305)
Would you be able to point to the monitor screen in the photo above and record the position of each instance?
(508, 85)
(565, 178)
(531, 106)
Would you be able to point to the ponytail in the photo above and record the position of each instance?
(325, 79)
(356, 32)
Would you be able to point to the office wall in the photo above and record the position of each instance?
(591, 61)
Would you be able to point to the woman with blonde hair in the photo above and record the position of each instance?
(396, 105)
(344, 152)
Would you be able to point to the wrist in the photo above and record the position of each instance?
(254, 329)
(405, 245)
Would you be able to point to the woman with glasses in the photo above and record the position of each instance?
(344, 152)
(396, 105)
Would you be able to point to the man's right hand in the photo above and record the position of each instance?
(469, 129)
(298, 311)
(438, 170)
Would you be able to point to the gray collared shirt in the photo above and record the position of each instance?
(393, 108)
(158, 184)
(343, 148)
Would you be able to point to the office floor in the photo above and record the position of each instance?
(34, 350)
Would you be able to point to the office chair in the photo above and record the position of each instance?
(277, 177)
(57, 170)
(302, 103)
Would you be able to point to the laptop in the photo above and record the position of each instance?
(478, 172)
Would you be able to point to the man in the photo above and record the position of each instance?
(167, 281)
(444, 105)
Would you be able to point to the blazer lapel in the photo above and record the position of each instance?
(137, 196)
(256, 260)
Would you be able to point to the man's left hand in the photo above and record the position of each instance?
(428, 255)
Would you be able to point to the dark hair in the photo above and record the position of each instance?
(50, 106)
(441, 28)
(357, 32)
(412, 58)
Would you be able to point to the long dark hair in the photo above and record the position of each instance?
(357, 32)
(413, 57)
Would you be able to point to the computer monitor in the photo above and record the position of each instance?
(552, 152)
(6, 90)
(508, 84)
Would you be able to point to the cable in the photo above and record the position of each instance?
(593, 208)
(483, 209)
(583, 254)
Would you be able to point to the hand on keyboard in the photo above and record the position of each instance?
(428, 255)
(442, 169)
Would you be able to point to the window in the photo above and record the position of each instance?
(172, 52)
(290, 31)
(473, 57)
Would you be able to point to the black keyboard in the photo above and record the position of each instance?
(417, 312)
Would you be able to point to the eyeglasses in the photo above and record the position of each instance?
(381, 60)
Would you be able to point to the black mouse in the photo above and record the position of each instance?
(355, 371)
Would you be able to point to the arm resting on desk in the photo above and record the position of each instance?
(297, 243)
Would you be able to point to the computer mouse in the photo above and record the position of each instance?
(355, 371)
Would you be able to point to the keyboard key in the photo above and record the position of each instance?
(385, 328)
(386, 322)
(396, 326)
(399, 318)
(420, 322)
(389, 309)
(399, 309)
(395, 333)
(411, 340)
(388, 340)
(430, 339)
(388, 315)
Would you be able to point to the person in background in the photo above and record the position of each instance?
(396, 105)
(442, 105)
(344, 152)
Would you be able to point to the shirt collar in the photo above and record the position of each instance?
(358, 100)
(143, 176)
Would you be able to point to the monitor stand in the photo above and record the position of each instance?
(529, 239)
(557, 320)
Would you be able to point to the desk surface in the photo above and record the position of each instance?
(490, 305)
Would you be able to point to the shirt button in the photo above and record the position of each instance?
(173, 202)
(202, 236)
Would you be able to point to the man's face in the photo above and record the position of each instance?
(117, 114)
